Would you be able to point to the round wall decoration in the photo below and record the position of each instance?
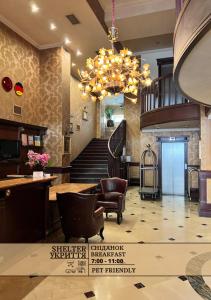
(7, 84)
(19, 89)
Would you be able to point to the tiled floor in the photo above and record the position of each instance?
(171, 220)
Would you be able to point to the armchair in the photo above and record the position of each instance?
(79, 217)
(113, 196)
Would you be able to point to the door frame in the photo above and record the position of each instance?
(173, 139)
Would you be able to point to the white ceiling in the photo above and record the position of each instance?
(35, 27)
(136, 19)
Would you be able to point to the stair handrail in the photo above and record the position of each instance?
(161, 93)
(116, 142)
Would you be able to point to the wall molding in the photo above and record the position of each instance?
(135, 8)
(26, 37)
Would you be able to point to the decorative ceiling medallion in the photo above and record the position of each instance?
(19, 89)
(7, 84)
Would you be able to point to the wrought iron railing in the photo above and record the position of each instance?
(161, 93)
(116, 144)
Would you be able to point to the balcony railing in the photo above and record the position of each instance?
(160, 94)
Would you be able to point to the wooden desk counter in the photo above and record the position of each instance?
(70, 187)
(10, 183)
(24, 209)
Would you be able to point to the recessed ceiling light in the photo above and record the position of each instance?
(78, 53)
(52, 26)
(34, 8)
(73, 64)
(67, 41)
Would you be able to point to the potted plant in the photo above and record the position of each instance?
(108, 113)
(37, 162)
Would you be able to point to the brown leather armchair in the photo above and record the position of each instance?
(113, 196)
(79, 217)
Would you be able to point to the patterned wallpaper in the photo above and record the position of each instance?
(46, 78)
(50, 106)
(20, 61)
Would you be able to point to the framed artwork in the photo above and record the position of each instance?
(30, 140)
(37, 141)
(24, 139)
(69, 129)
(85, 114)
(17, 110)
(67, 145)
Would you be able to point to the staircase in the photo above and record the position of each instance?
(92, 163)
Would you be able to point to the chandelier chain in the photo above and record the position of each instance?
(113, 13)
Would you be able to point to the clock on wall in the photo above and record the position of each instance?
(19, 89)
(7, 84)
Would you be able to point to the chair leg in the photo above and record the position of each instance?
(101, 233)
(86, 240)
(106, 215)
(119, 218)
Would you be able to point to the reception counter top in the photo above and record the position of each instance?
(10, 183)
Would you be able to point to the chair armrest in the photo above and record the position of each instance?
(100, 197)
(99, 211)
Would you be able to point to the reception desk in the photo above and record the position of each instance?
(23, 209)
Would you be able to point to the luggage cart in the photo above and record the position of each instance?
(193, 193)
(149, 175)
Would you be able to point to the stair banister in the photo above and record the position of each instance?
(116, 143)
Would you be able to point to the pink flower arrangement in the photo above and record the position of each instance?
(37, 159)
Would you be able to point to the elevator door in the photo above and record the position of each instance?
(173, 168)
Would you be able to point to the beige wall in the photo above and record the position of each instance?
(50, 94)
(193, 146)
(205, 143)
(19, 61)
(132, 117)
(88, 131)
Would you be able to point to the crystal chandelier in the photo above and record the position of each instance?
(111, 73)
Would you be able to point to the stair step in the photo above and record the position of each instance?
(88, 166)
(93, 154)
(87, 175)
(88, 170)
(91, 161)
(93, 158)
(94, 150)
(85, 180)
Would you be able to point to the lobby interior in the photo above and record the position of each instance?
(156, 138)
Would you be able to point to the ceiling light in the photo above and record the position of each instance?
(52, 26)
(67, 41)
(113, 73)
(78, 53)
(73, 64)
(34, 8)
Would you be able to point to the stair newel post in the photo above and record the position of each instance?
(116, 144)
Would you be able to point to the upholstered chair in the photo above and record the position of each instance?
(79, 217)
(113, 196)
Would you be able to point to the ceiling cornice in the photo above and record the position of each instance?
(17, 30)
(138, 7)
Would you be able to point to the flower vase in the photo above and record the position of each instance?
(38, 172)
